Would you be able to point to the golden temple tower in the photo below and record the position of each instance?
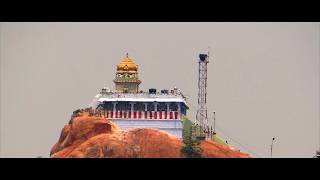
(126, 80)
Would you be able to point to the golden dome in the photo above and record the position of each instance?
(127, 65)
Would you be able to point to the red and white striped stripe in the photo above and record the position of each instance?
(143, 115)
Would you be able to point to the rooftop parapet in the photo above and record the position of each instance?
(174, 95)
(141, 95)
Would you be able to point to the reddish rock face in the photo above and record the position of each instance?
(96, 137)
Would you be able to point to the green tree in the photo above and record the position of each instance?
(191, 148)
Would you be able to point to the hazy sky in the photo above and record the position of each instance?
(263, 78)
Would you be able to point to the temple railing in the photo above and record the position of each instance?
(141, 95)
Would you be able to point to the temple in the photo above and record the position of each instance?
(130, 107)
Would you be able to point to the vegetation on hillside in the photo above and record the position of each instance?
(191, 148)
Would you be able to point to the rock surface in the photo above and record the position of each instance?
(96, 137)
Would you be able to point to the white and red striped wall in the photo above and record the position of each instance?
(161, 115)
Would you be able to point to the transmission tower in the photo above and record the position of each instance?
(202, 116)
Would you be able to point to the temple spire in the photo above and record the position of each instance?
(126, 80)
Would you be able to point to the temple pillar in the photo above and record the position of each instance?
(168, 107)
(132, 109)
(114, 109)
(168, 110)
(155, 114)
(145, 114)
(155, 106)
(179, 110)
(145, 106)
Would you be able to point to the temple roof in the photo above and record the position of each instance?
(127, 64)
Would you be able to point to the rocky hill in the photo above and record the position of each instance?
(93, 136)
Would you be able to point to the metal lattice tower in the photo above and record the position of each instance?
(202, 115)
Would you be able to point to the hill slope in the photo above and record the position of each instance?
(96, 137)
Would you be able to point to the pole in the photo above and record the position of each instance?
(214, 122)
(271, 150)
(272, 145)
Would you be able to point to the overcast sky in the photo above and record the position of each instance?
(263, 78)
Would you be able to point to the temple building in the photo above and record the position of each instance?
(130, 107)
